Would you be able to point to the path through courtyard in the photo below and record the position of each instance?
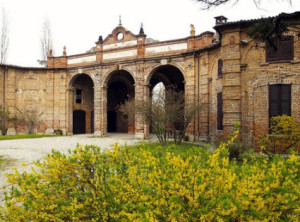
(29, 150)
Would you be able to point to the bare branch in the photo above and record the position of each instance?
(46, 41)
(207, 4)
(4, 36)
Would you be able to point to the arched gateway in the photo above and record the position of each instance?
(122, 67)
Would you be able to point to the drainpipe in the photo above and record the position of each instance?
(198, 96)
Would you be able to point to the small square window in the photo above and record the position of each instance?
(78, 97)
(284, 49)
(279, 100)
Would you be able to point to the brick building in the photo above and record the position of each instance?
(231, 76)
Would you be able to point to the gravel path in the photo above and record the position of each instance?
(28, 150)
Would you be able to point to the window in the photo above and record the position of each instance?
(78, 97)
(279, 100)
(219, 111)
(220, 66)
(284, 51)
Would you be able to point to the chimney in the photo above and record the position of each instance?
(221, 19)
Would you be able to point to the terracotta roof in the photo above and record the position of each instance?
(26, 68)
(250, 21)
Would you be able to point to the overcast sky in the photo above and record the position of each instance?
(77, 23)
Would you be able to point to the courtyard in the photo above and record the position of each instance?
(21, 153)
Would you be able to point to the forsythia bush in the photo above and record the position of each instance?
(90, 185)
(284, 135)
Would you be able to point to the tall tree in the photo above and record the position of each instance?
(4, 36)
(46, 42)
(214, 3)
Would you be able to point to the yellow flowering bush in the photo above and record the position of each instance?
(284, 135)
(118, 185)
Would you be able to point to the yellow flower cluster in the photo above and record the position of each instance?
(118, 185)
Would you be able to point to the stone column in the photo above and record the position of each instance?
(97, 111)
(139, 121)
(146, 124)
(70, 98)
(103, 118)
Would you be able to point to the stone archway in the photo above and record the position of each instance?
(168, 76)
(81, 100)
(120, 87)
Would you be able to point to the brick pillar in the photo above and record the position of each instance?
(97, 111)
(139, 121)
(103, 118)
(146, 124)
(70, 100)
(203, 90)
(50, 103)
(69, 110)
(99, 49)
(11, 98)
(231, 56)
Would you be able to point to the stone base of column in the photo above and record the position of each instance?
(98, 133)
(203, 138)
(141, 136)
(191, 137)
(49, 131)
(64, 132)
(11, 131)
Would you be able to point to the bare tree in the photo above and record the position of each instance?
(46, 42)
(4, 42)
(169, 114)
(4, 36)
(31, 118)
(207, 4)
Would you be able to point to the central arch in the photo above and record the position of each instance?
(120, 87)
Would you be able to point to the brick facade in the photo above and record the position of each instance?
(244, 82)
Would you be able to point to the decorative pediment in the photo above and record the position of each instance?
(120, 37)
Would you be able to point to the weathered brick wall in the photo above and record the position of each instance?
(36, 89)
(245, 84)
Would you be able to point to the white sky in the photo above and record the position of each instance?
(78, 24)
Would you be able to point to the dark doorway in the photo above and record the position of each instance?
(120, 89)
(79, 121)
(82, 104)
(111, 121)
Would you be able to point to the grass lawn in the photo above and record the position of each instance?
(26, 136)
(1, 161)
(181, 150)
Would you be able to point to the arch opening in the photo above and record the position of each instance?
(163, 81)
(120, 87)
(82, 100)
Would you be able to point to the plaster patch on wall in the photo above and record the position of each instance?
(165, 48)
(114, 55)
(120, 44)
(82, 60)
